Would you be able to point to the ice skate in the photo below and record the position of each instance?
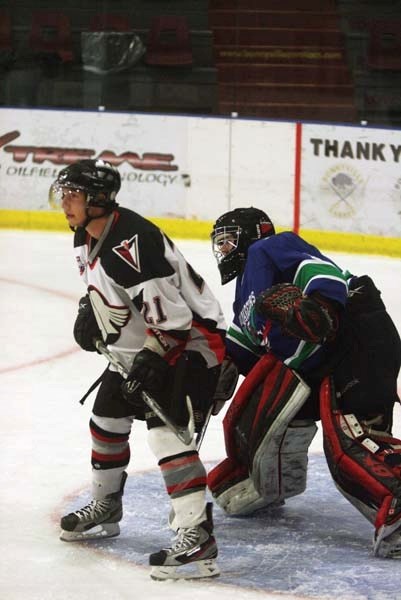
(191, 556)
(97, 520)
(387, 541)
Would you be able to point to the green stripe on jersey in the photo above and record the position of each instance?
(240, 338)
(304, 351)
(308, 270)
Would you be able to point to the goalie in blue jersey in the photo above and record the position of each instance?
(313, 342)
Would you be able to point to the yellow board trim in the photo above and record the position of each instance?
(200, 230)
(353, 242)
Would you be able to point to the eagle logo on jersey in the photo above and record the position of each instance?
(129, 252)
(111, 319)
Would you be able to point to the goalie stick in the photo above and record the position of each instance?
(185, 434)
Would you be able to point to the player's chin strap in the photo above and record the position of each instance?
(95, 251)
(185, 434)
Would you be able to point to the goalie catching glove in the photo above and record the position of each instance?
(312, 319)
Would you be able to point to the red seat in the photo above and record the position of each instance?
(384, 49)
(109, 22)
(5, 31)
(51, 34)
(169, 42)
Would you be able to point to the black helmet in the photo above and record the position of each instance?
(232, 235)
(97, 178)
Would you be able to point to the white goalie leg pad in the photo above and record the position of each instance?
(294, 457)
(280, 464)
(281, 472)
(282, 443)
(241, 498)
(259, 453)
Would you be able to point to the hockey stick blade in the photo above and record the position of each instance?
(184, 434)
(201, 434)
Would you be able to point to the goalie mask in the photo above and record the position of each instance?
(232, 235)
(99, 180)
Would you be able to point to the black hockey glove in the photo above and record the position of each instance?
(86, 327)
(226, 384)
(308, 318)
(148, 372)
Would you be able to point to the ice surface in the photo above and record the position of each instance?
(317, 546)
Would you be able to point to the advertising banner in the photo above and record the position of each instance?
(178, 167)
(351, 179)
(348, 178)
(149, 150)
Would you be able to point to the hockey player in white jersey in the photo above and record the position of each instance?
(160, 320)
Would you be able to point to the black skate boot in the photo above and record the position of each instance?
(98, 519)
(192, 554)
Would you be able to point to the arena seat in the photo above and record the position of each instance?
(384, 48)
(51, 34)
(5, 31)
(109, 22)
(169, 42)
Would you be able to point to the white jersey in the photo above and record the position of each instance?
(140, 284)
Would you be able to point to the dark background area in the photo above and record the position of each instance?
(331, 60)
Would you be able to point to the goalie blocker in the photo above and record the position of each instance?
(266, 450)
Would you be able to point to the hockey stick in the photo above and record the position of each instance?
(201, 434)
(185, 434)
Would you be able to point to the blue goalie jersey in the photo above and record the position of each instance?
(281, 258)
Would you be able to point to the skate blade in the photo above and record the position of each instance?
(382, 544)
(195, 570)
(101, 531)
(386, 550)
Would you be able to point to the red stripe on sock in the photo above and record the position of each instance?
(110, 457)
(179, 462)
(187, 485)
(109, 440)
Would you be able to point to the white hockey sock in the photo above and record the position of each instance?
(188, 511)
(106, 482)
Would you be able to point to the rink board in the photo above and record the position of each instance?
(200, 230)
